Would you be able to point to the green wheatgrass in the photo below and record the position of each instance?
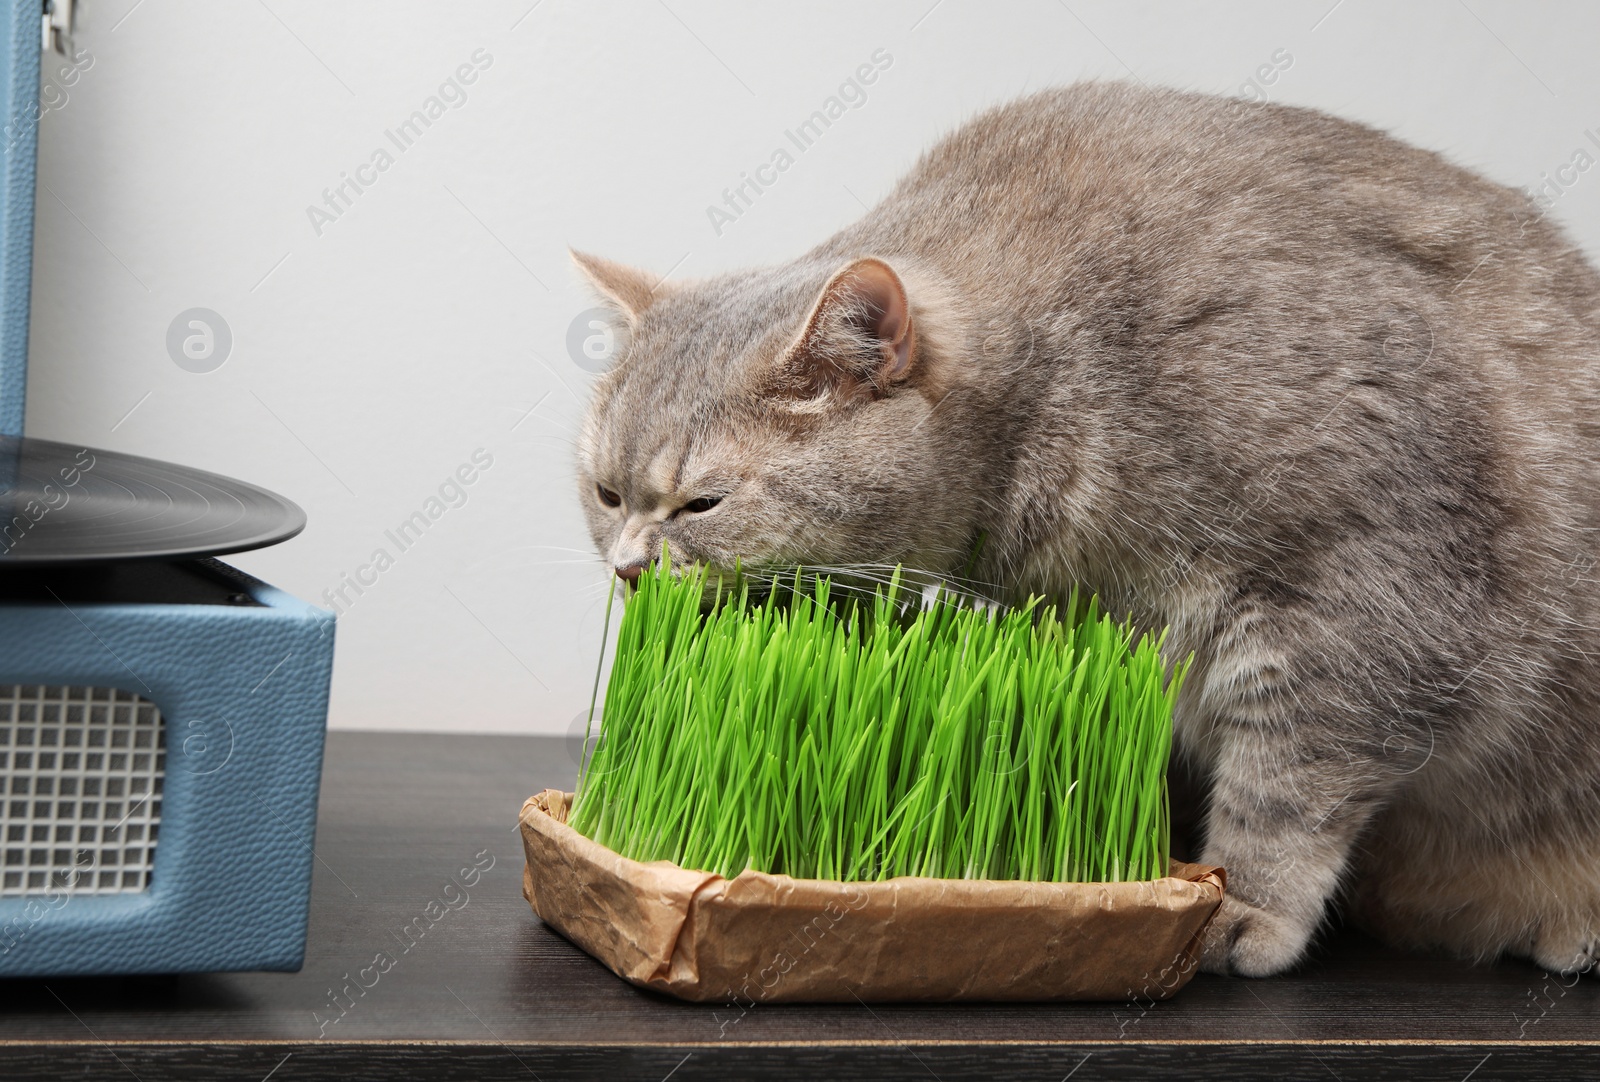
(849, 738)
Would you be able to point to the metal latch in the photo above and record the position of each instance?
(56, 26)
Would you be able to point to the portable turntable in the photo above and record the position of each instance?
(161, 713)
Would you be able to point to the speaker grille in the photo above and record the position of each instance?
(80, 773)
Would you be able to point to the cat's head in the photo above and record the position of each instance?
(807, 414)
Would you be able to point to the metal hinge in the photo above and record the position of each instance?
(56, 26)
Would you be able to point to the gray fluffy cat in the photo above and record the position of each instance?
(1324, 403)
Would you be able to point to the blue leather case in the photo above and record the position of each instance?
(243, 691)
(19, 98)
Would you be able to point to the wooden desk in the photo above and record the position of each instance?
(487, 992)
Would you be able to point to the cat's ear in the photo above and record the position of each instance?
(629, 289)
(859, 334)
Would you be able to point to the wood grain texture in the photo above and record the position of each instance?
(880, 1063)
(401, 815)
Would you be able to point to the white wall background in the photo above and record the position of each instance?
(430, 319)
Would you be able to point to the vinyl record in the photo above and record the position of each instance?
(63, 503)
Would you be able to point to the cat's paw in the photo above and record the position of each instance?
(1246, 941)
(1569, 954)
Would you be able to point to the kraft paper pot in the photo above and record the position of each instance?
(771, 938)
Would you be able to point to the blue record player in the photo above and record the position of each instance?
(161, 713)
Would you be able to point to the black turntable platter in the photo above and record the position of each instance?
(64, 503)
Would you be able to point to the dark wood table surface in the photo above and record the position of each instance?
(485, 991)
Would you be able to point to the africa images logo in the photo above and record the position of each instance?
(452, 94)
(851, 94)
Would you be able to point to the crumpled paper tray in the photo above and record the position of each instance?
(759, 938)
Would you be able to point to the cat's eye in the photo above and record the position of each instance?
(607, 497)
(704, 503)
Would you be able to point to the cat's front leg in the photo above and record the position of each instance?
(1287, 803)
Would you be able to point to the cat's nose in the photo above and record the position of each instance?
(631, 572)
